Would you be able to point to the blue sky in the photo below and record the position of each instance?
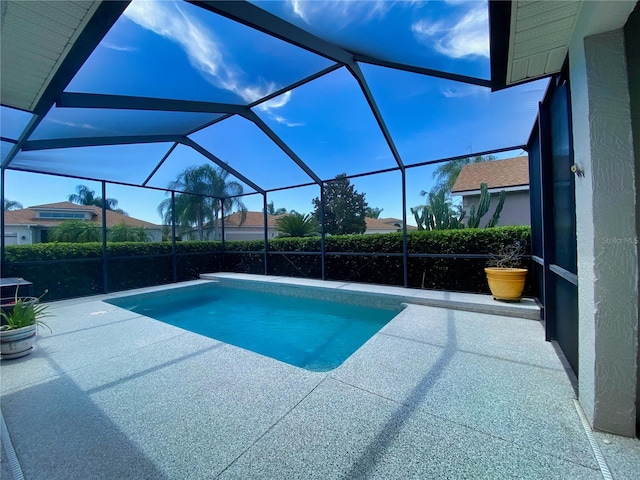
(170, 49)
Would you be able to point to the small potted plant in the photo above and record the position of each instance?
(21, 317)
(505, 274)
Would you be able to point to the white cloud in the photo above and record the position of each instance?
(85, 126)
(340, 12)
(118, 48)
(286, 122)
(278, 102)
(199, 43)
(298, 9)
(422, 28)
(464, 91)
(466, 36)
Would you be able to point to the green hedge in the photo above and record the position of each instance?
(44, 264)
(455, 274)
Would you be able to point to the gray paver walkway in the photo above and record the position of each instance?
(438, 393)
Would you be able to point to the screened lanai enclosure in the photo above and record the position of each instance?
(282, 97)
(293, 104)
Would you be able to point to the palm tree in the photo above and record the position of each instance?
(271, 210)
(77, 231)
(86, 196)
(206, 192)
(373, 212)
(447, 173)
(11, 205)
(127, 233)
(298, 225)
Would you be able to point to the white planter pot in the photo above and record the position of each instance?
(17, 343)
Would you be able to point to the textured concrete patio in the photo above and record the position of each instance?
(438, 393)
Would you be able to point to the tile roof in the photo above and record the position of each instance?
(253, 219)
(29, 216)
(510, 172)
(391, 224)
(256, 219)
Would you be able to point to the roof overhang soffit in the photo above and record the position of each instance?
(73, 29)
(529, 40)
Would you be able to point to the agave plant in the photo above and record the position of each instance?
(25, 312)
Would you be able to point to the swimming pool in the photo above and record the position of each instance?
(310, 333)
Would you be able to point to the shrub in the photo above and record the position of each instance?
(298, 225)
(127, 233)
(75, 231)
(75, 269)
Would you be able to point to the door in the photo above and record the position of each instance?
(553, 218)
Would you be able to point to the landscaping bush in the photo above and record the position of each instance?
(48, 266)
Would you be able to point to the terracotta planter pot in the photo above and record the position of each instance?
(506, 283)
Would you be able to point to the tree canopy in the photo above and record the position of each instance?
(198, 211)
(447, 173)
(11, 205)
(85, 196)
(127, 233)
(77, 231)
(271, 209)
(344, 209)
(373, 212)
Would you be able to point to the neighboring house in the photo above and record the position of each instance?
(253, 226)
(251, 229)
(32, 225)
(385, 225)
(510, 175)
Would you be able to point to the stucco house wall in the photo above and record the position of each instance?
(249, 233)
(606, 216)
(632, 45)
(515, 211)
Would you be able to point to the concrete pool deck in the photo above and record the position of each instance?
(437, 393)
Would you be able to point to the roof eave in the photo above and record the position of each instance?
(510, 188)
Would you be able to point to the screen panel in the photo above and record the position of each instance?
(448, 36)
(99, 122)
(247, 149)
(329, 124)
(116, 163)
(431, 118)
(170, 49)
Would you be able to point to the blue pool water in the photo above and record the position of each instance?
(313, 334)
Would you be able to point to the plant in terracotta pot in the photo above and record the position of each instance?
(21, 317)
(505, 273)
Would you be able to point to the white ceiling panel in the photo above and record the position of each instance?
(537, 64)
(555, 59)
(545, 12)
(540, 34)
(36, 37)
(519, 69)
